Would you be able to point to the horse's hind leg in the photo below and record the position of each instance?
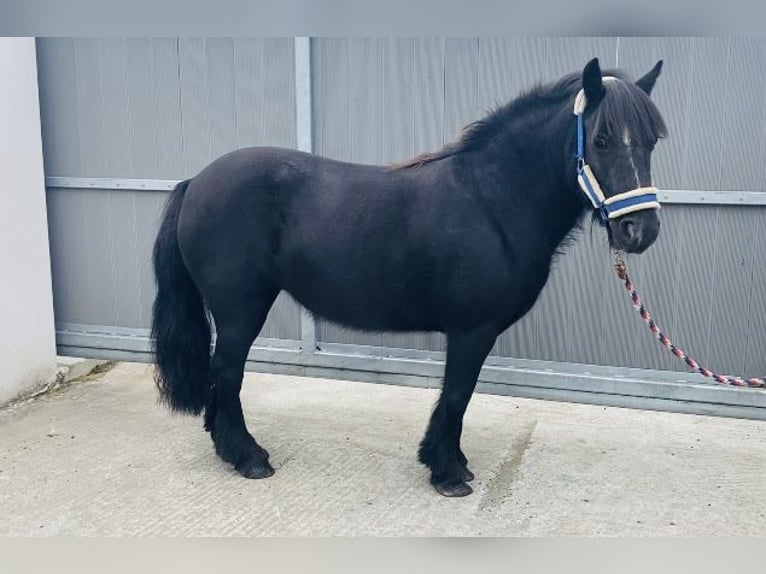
(236, 332)
(440, 448)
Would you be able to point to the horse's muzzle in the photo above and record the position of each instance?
(634, 232)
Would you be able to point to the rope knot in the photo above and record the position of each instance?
(619, 266)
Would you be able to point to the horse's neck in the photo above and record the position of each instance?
(532, 178)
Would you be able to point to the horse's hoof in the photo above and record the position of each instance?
(255, 469)
(453, 489)
(469, 476)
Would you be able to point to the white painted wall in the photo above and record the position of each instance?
(27, 338)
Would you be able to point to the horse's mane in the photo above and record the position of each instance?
(624, 105)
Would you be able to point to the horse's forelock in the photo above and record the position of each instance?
(625, 106)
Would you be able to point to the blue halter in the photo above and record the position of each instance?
(616, 205)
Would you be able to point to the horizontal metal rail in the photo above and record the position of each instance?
(671, 196)
(610, 386)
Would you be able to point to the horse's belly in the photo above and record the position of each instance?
(370, 293)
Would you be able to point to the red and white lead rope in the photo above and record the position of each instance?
(622, 273)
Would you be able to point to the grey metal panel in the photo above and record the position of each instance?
(732, 272)
(332, 89)
(672, 94)
(195, 107)
(119, 124)
(494, 71)
(146, 109)
(365, 100)
(707, 100)
(64, 231)
(567, 54)
(278, 92)
(461, 103)
(147, 222)
(58, 101)
(90, 106)
(397, 104)
(428, 94)
(124, 272)
(141, 87)
(161, 108)
(656, 275)
(699, 236)
(745, 115)
(167, 97)
(284, 320)
(101, 244)
(755, 359)
(584, 302)
(222, 110)
(248, 94)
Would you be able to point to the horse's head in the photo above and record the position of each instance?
(620, 127)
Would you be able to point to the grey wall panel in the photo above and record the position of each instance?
(67, 244)
(249, 100)
(755, 358)
(222, 110)
(89, 106)
(672, 93)
(278, 93)
(428, 94)
(566, 55)
(141, 86)
(101, 244)
(702, 168)
(284, 320)
(461, 103)
(167, 100)
(731, 275)
(332, 95)
(656, 274)
(155, 109)
(695, 286)
(161, 108)
(744, 115)
(397, 103)
(195, 108)
(58, 104)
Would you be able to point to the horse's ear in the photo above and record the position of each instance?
(592, 83)
(646, 83)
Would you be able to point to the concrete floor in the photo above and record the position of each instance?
(99, 457)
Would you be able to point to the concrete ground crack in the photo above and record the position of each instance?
(499, 485)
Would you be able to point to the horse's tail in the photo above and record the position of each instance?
(180, 326)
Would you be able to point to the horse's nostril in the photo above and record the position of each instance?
(630, 229)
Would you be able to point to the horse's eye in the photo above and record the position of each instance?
(600, 142)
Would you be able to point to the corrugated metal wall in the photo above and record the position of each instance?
(154, 109)
(163, 108)
(383, 100)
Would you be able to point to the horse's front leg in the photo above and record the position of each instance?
(440, 449)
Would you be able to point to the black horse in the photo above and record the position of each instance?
(460, 241)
